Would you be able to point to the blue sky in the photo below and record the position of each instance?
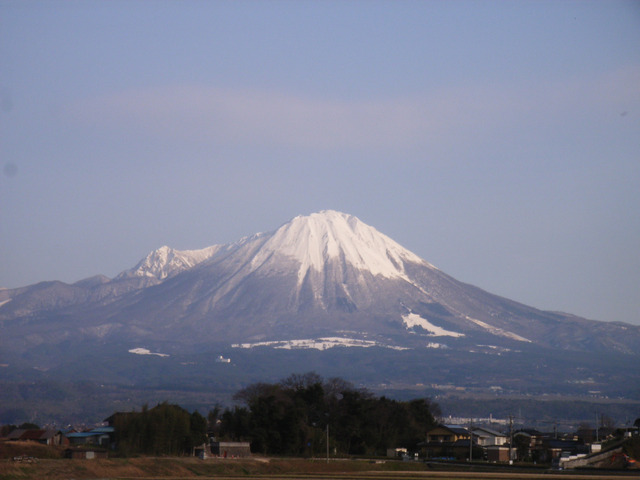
(499, 141)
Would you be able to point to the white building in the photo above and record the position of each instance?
(487, 437)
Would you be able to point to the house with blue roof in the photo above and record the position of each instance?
(102, 436)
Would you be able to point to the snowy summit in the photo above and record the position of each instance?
(329, 235)
(166, 262)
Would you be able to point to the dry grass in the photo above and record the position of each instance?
(29, 449)
(290, 469)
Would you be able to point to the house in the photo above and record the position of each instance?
(486, 437)
(52, 437)
(493, 443)
(15, 435)
(396, 452)
(554, 448)
(98, 436)
(45, 437)
(528, 444)
(497, 453)
(230, 449)
(450, 441)
(447, 434)
(115, 417)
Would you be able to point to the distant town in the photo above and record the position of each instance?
(307, 416)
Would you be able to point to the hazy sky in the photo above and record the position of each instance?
(499, 141)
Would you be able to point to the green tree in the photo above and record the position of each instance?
(29, 426)
(162, 430)
(235, 424)
(291, 417)
(6, 430)
(522, 443)
(213, 418)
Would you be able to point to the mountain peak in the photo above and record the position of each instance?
(328, 235)
(165, 262)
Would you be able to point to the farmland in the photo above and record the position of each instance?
(189, 468)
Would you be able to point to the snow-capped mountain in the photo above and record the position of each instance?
(166, 262)
(324, 275)
(323, 292)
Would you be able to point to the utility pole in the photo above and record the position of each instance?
(510, 439)
(327, 442)
(470, 440)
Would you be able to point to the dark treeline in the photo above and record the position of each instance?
(291, 418)
(162, 430)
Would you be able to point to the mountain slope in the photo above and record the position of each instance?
(323, 275)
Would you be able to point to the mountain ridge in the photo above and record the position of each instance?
(316, 275)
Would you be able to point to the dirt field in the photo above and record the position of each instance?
(192, 468)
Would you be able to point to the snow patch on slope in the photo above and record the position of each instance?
(145, 351)
(413, 320)
(498, 331)
(317, 344)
